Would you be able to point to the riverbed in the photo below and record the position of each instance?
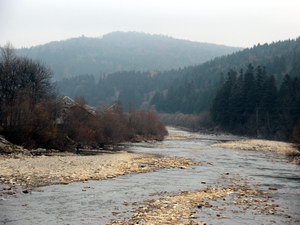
(101, 202)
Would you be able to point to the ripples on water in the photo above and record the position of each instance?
(103, 200)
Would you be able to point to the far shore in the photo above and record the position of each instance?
(291, 150)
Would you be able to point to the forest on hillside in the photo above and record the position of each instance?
(192, 90)
(128, 87)
(118, 51)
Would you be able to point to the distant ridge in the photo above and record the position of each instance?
(119, 51)
(189, 90)
(196, 87)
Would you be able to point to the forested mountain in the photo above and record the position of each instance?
(119, 51)
(188, 90)
(230, 87)
(129, 87)
(194, 91)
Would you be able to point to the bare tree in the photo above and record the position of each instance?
(21, 79)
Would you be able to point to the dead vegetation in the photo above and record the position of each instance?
(33, 116)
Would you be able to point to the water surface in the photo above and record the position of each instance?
(99, 202)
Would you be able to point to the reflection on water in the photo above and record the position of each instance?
(97, 202)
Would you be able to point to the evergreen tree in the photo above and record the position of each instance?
(251, 104)
(269, 106)
(237, 103)
(249, 91)
(221, 111)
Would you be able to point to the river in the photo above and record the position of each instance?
(99, 202)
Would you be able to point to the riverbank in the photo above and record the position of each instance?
(47, 170)
(288, 149)
(230, 187)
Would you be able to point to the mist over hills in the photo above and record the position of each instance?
(254, 91)
(119, 51)
(194, 91)
(188, 90)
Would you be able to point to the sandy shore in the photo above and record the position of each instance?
(46, 170)
(279, 147)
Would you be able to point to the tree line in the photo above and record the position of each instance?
(193, 89)
(33, 115)
(189, 90)
(251, 102)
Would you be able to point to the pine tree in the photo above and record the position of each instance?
(221, 112)
(269, 105)
(237, 103)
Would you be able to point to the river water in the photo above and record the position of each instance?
(99, 202)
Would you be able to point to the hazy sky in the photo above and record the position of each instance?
(230, 22)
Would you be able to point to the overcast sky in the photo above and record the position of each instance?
(231, 22)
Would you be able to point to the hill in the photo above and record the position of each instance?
(188, 90)
(119, 51)
(194, 90)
